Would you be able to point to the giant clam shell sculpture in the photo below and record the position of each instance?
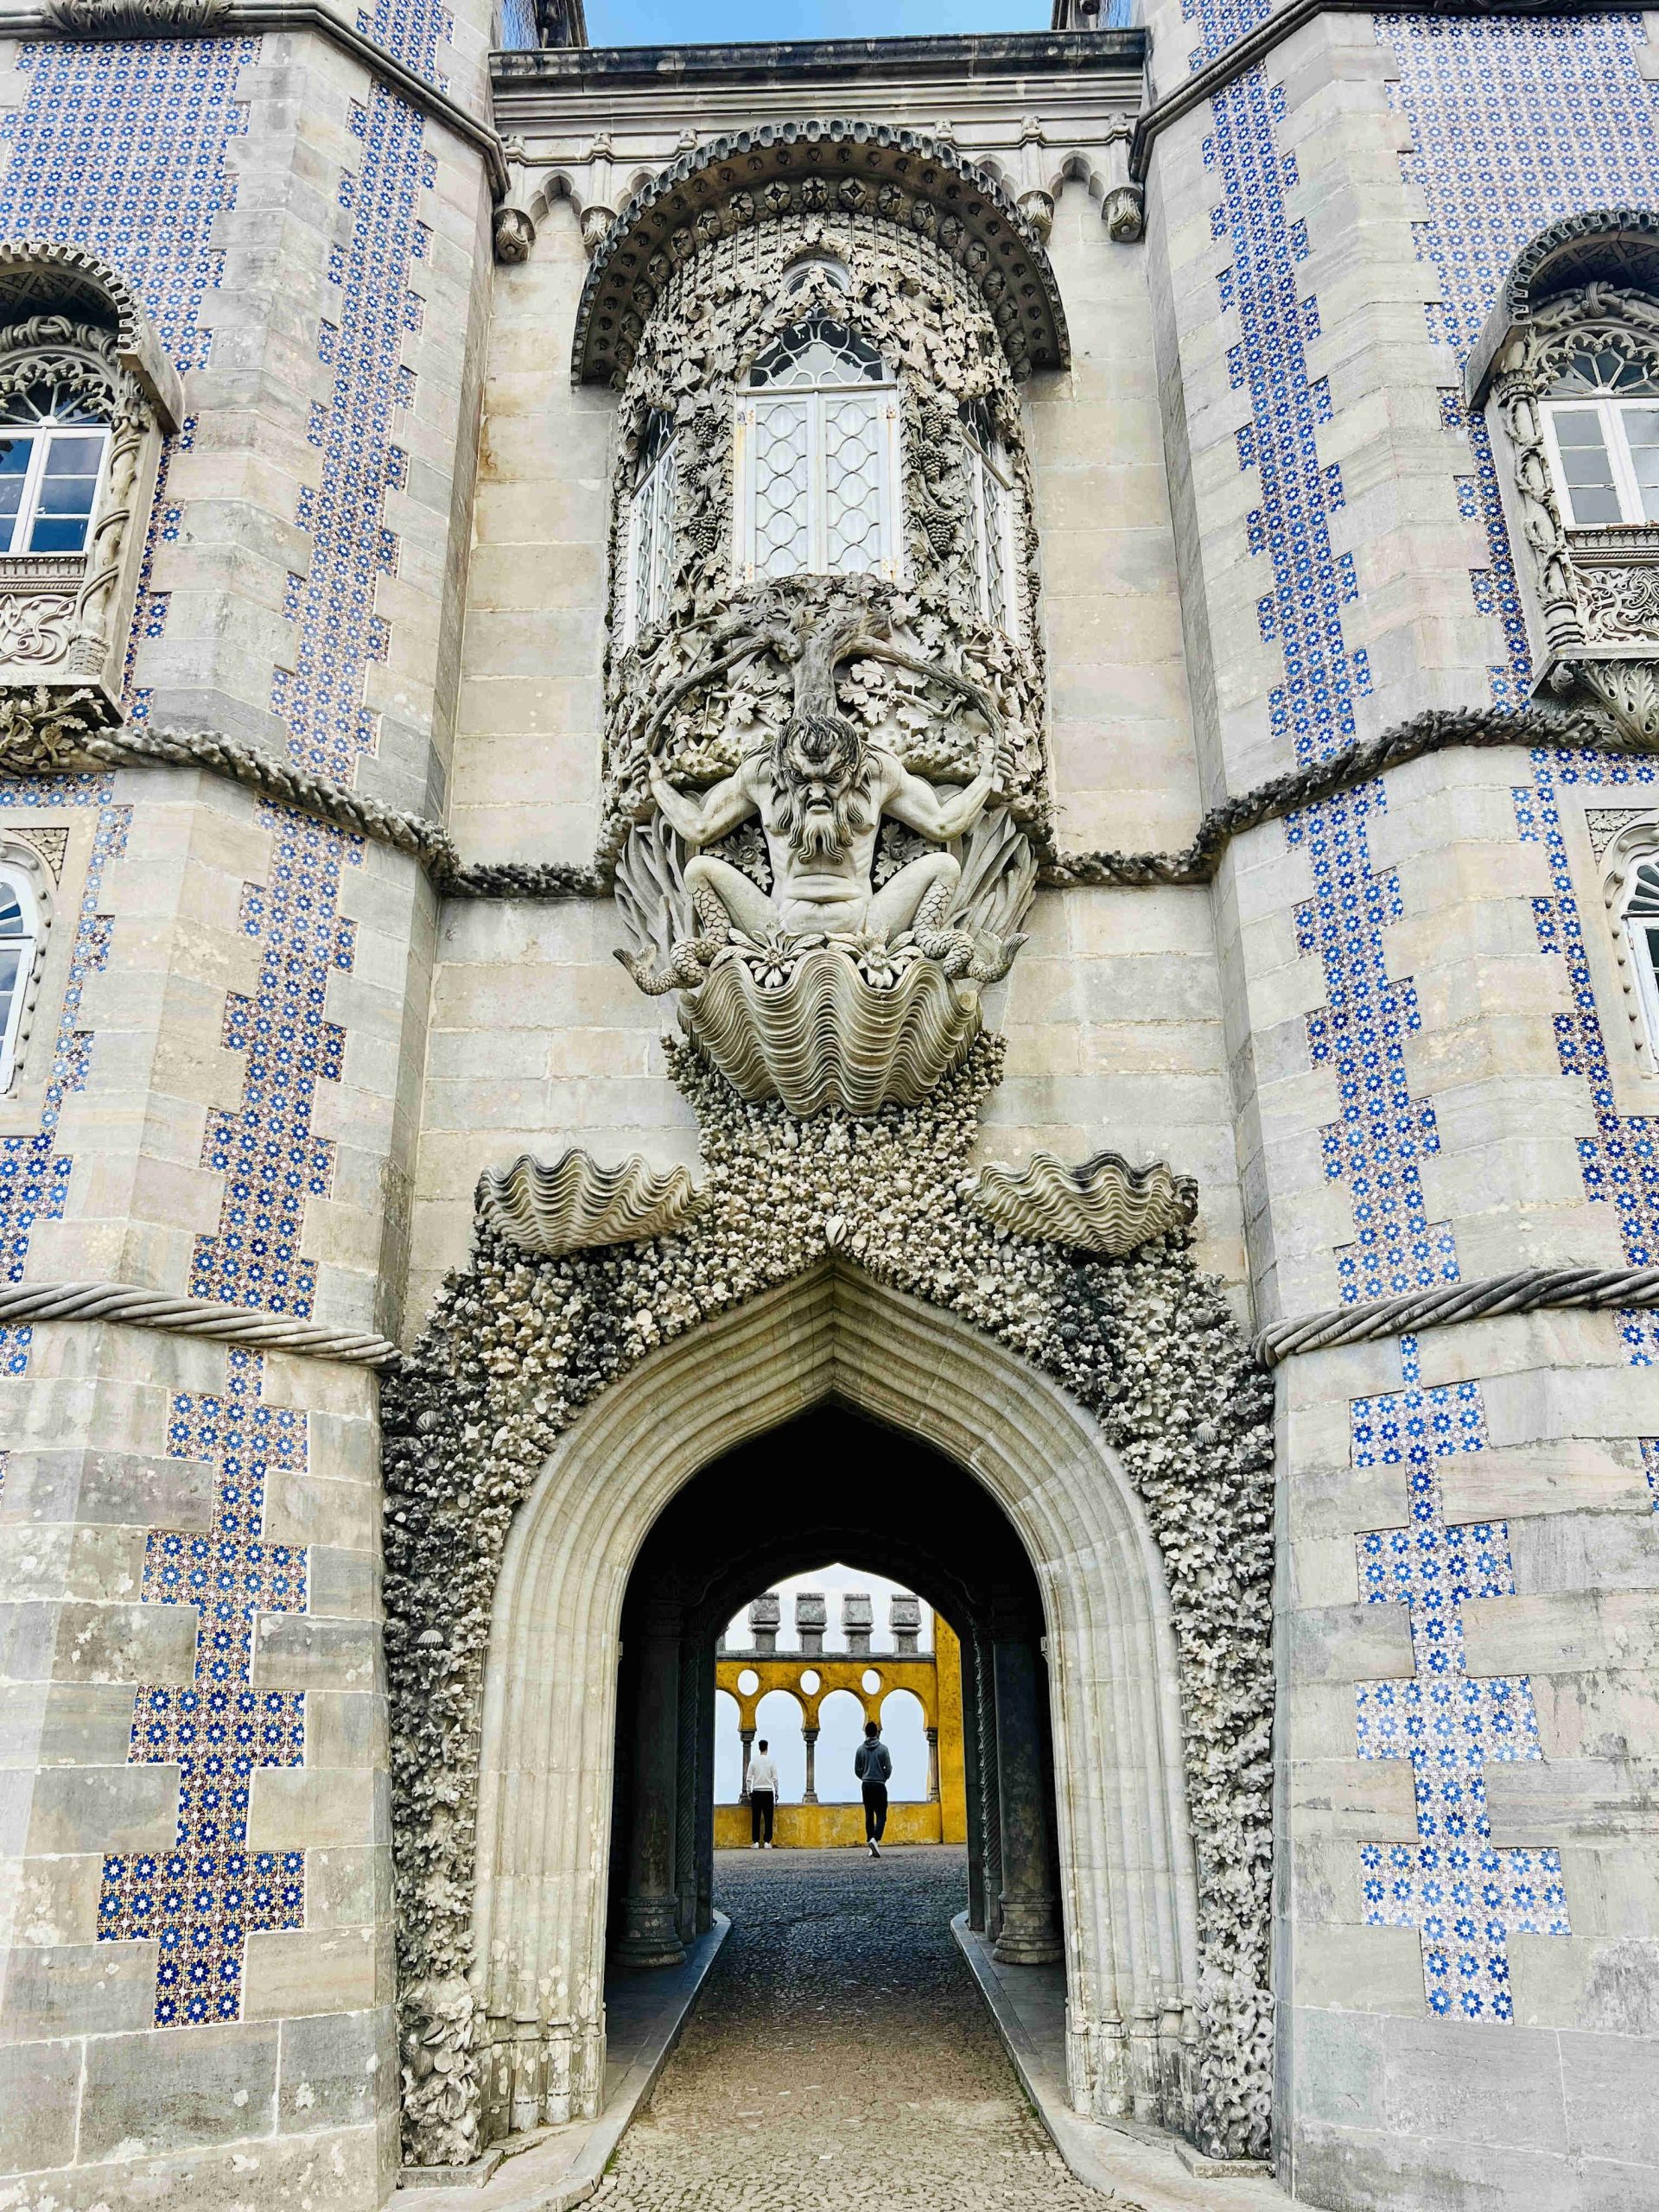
(1105, 1205)
(827, 1037)
(575, 1203)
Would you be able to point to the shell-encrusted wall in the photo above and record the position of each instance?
(518, 1345)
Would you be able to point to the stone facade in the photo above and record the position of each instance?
(1271, 1230)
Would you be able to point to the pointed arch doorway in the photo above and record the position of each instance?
(1079, 1551)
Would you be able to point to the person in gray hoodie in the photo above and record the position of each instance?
(872, 1765)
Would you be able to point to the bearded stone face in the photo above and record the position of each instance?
(821, 770)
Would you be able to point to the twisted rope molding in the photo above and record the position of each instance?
(189, 1317)
(57, 742)
(1524, 1292)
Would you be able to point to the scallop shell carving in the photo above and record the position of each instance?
(1105, 1205)
(827, 1037)
(575, 1203)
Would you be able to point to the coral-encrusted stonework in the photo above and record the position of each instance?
(517, 1347)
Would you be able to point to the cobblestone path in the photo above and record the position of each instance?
(840, 2059)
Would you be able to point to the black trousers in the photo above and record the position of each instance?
(875, 1811)
(762, 1804)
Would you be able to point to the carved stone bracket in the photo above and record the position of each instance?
(1627, 690)
(575, 1204)
(1104, 1205)
(1123, 211)
(513, 234)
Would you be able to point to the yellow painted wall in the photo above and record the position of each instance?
(934, 1678)
(825, 1827)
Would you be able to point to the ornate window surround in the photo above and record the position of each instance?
(67, 319)
(996, 500)
(1591, 593)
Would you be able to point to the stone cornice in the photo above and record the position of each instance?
(1257, 43)
(252, 16)
(810, 62)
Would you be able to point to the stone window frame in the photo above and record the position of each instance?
(66, 319)
(650, 509)
(748, 399)
(989, 461)
(22, 869)
(1635, 845)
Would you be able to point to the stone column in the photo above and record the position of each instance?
(705, 1807)
(990, 1810)
(973, 1784)
(746, 1736)
(764, 1613)
(857, 1619)
(1029, 1935)
(650, 1906)
(932, 1766)
(904, 1622)
(809, 1794)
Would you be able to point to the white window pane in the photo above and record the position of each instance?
(783, 543)
(11, 966)
(1587, 467)
(662, 552)
(1640, 427)
(852, 484)
(995, 526)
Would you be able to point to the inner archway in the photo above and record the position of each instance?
(1122, 1840)
(855, 1489)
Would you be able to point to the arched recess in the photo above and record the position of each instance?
(1128, 1889)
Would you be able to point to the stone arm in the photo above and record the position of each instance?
(704, 821)
(918, 806)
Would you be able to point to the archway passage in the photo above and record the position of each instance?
(831, 1484)
(1069, 1521)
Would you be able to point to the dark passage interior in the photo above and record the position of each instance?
(829, 1485)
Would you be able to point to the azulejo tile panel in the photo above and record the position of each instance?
(200, 1901)
(1515, 122)
(1464, 1896)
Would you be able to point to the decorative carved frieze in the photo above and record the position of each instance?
(136, 18)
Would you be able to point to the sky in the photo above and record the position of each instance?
(676, 22)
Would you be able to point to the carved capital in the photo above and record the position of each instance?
(1038, 209)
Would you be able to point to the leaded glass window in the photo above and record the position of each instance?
(1642, 930)
(18, 931)
(992, 487)
(1602, 420)
(650, 530)
(52, 450)
(817, 451)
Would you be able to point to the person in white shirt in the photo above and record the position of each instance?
(763, 1796)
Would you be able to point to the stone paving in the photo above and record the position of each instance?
(840, 2057)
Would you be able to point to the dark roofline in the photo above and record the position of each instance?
(799, 63)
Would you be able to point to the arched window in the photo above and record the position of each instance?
(19, 938)
(818, 458)
(992, 483)
(52, 451)
(834, 272)
(651, 529)
(1601, 416)
(1640, 915)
